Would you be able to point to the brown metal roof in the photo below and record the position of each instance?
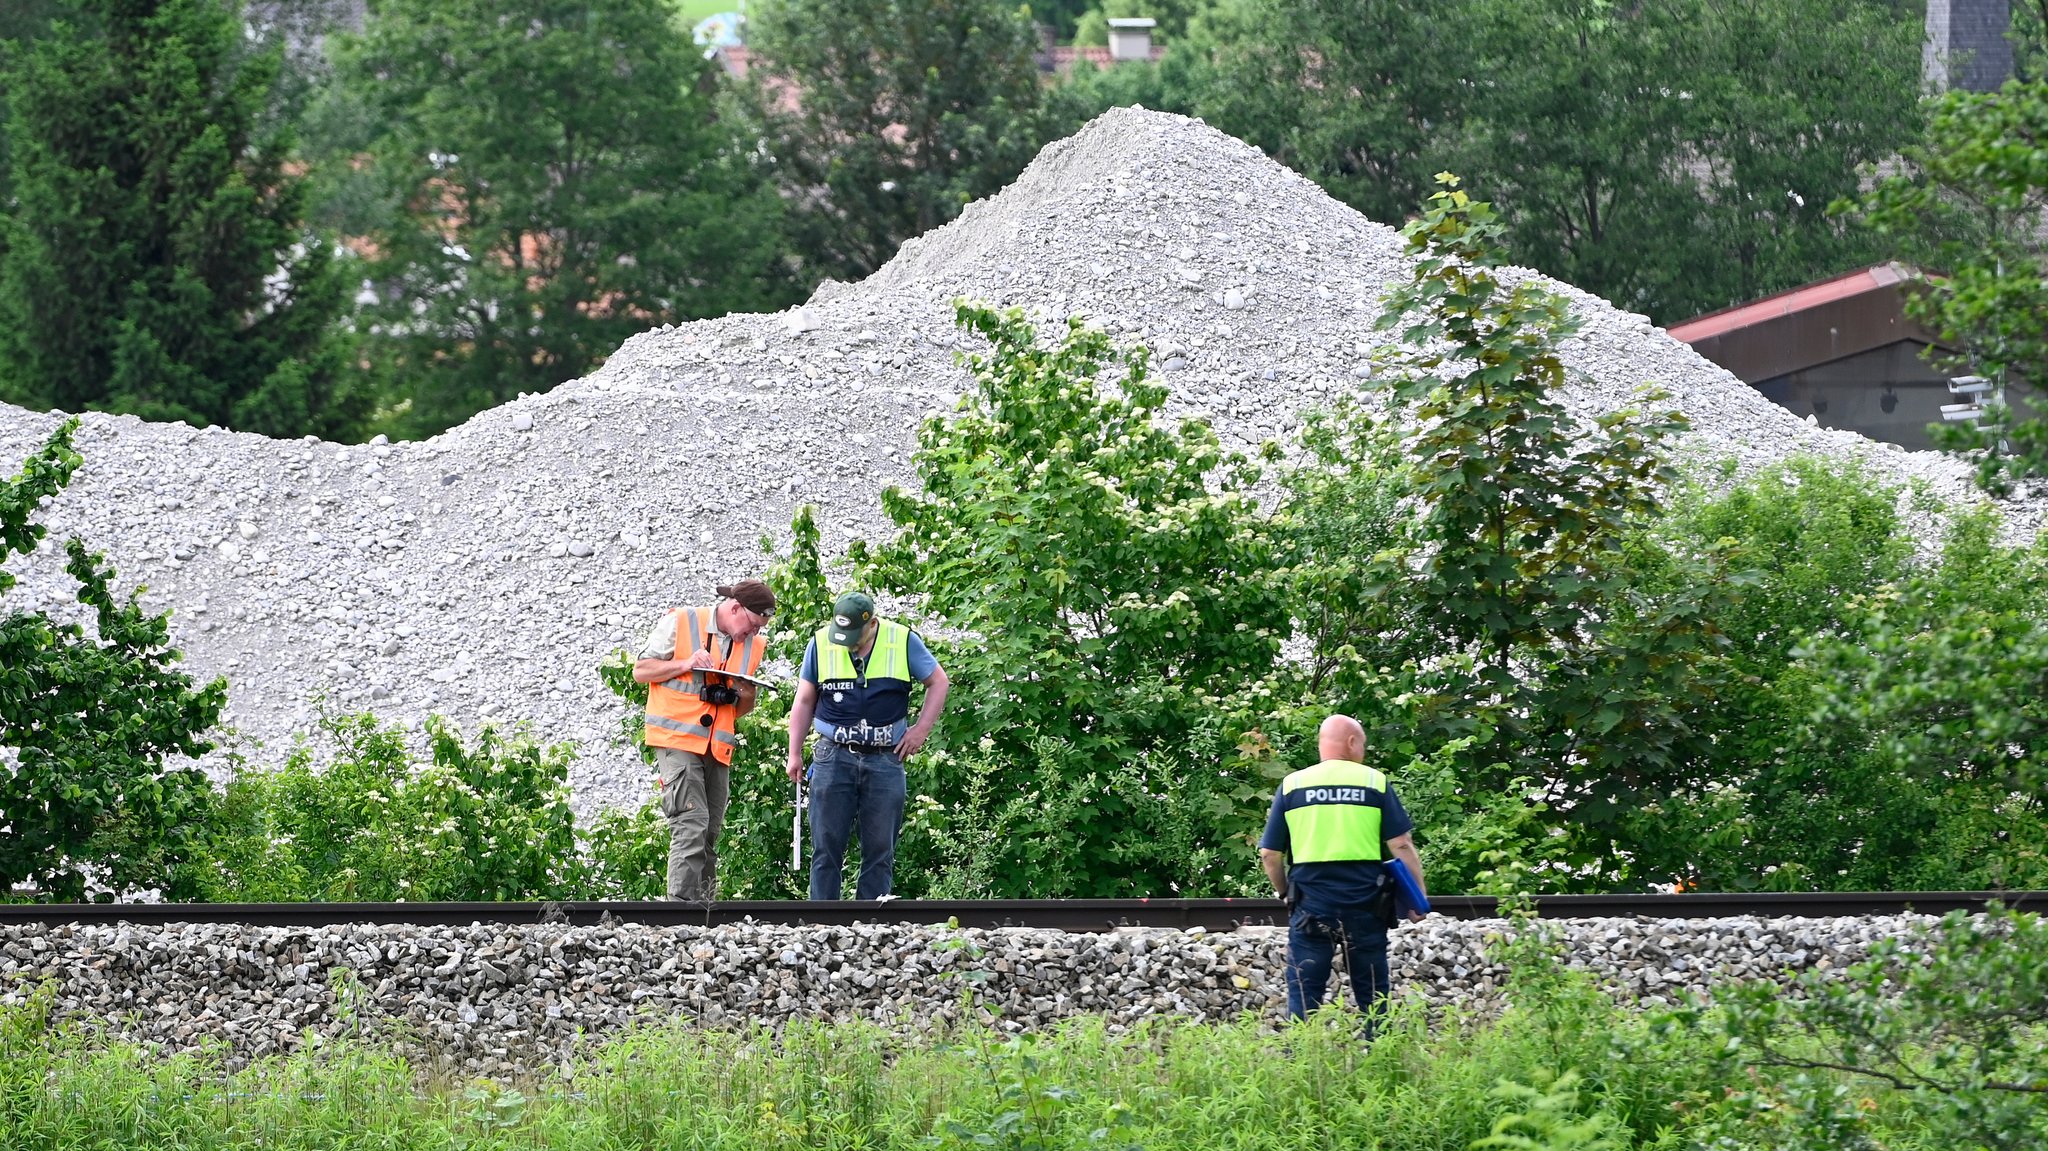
(1810, 325)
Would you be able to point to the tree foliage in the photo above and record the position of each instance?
(1880, 709)
(538, 189)
(1070, 533)
(1973, 202)
(1354, 94)
(883, 118)
(1109, 584)
(155, 260)
(20, 23)
(1546, 646)
(487, 819)
(1955, 1021)
(1722, 127)
(89, 717)
(1928, 729)
(1726, 127)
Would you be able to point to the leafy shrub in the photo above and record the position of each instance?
(1954, 1025)
(488, 820)
(89, 805)
(1927, 738)
(625, 856)
(1154, 824)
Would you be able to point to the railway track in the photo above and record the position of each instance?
(1045, 914)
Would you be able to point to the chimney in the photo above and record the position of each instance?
(1130, 38)
(1966, 46)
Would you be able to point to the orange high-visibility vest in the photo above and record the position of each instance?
(676, 715)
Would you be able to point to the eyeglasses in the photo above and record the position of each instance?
(760, 618)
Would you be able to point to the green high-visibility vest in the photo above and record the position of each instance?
(889, 659)
(1333, 812)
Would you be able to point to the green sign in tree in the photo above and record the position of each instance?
(155, 260)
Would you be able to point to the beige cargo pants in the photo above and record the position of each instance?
(694, 791)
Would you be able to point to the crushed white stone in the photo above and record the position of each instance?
(504, 1000)
(513, 553)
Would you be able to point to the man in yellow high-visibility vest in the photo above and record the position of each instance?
(853, 694)
(1330, 829)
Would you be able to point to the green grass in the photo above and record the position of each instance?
(688, 12)
(1563, 1068)
(1421, 1086)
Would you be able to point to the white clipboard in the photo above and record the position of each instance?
(741, 676)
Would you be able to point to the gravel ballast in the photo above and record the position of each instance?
(484, 573)
(503, 1000)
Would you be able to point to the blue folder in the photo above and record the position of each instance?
(1408, 897)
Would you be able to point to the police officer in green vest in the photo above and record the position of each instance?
(853, 693)
(1330, 828)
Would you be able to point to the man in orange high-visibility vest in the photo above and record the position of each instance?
(692, 718)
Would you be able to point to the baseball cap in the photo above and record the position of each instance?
(850, 615)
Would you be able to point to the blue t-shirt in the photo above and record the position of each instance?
(1328, 888)
(922, 665)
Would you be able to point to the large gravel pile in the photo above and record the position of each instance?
(484, 573)
(492, 1000)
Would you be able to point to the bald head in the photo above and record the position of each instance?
(1341, 738)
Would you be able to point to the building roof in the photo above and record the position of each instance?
(1064, 57)
(737, 60)
(1809, 325)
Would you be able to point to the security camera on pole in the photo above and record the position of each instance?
(1983, 397)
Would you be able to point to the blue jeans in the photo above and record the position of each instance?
(1311, 946)
(849, 786)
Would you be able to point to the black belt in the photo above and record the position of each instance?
(868, 748)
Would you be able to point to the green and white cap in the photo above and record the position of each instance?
(850, 615)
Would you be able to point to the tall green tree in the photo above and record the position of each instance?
(20, 23)
(1792, 100)
(156, 260)
(1723, 128)
(1973, 202)
(1580, 134)
(92, 720)
(885, 117)
(1551, 656)
(549, 178)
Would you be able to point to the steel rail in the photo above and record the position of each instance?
(1044, 914)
